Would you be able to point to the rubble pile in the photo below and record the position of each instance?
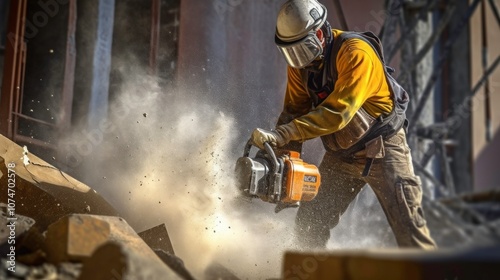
(467, 220)
(55, 227)
(396, 263)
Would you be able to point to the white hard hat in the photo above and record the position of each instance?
(296, 26)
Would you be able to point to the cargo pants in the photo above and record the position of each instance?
(394, 183)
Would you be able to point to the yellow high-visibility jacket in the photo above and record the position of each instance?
(361, 83)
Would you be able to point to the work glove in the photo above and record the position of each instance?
(277, 138)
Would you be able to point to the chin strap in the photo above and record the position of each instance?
(327, 29)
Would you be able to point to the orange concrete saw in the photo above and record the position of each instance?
(285, 179)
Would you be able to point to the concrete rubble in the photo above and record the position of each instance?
(469, 220)
(65, 230)
(411, 264)
(217, 271)
(43, 192)
(157, 238)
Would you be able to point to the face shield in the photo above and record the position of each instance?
(299, 54)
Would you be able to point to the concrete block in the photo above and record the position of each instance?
(75, 237)
(78, 237)
(12, 225)
(175, 263)
(298, 265)
(412, 264)
(117, 261)
(157, 238)
(216, 271)
(32, 242)
(42, 191)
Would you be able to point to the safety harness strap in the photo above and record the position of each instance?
(387, 125)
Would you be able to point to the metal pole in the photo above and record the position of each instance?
(488, 72)
(439, 66)
(405, 34)
(445, 166)
(390, 25)
(13, 53)
(428, 175)
(487, 109)
(69, 69)
(495, 10)
(155, 35)
(474, 90)
(428, 45)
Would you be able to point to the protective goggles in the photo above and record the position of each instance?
(300, 53)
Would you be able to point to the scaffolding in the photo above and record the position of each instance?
(467, 217)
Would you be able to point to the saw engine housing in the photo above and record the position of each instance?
(277, 179)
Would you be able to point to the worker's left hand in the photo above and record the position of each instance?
(275, 138)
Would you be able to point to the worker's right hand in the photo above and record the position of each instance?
(261, 136)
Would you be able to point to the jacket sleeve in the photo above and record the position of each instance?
(355, 67)
(297, 101)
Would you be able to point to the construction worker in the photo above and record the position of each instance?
(339, 89)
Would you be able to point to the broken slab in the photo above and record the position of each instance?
(175, 263)
(42, 191)
(78, 237)
(217, 271)
(11, 227)
(75, 238)
(157, 238)
(117, 261)
(384, 264)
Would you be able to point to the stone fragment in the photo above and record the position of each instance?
(44, 271)
(217, 271)
(69, 271)
(78, 237)
(409, 264)
(157, 238)
(12, 228)
(75, 237)
(32, 243)
(20, 270)
(175, 263)
(117, 261)
(42, 191)
(37, 257)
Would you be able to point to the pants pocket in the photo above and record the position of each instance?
(409, 194)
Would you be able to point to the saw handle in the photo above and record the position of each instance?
(269, 150)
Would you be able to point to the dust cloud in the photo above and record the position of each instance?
(165, 157)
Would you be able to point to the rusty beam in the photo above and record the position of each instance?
(18, 138)
(20, 89)
(22, 116)
(15, 35)
(494, 8)
(407, 31)
(69, 69)
(19, 75)
(484, 62)
(429, 44)
(158, 238)
(155, 35)
(438, 67)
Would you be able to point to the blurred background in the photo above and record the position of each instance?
(151, 103)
